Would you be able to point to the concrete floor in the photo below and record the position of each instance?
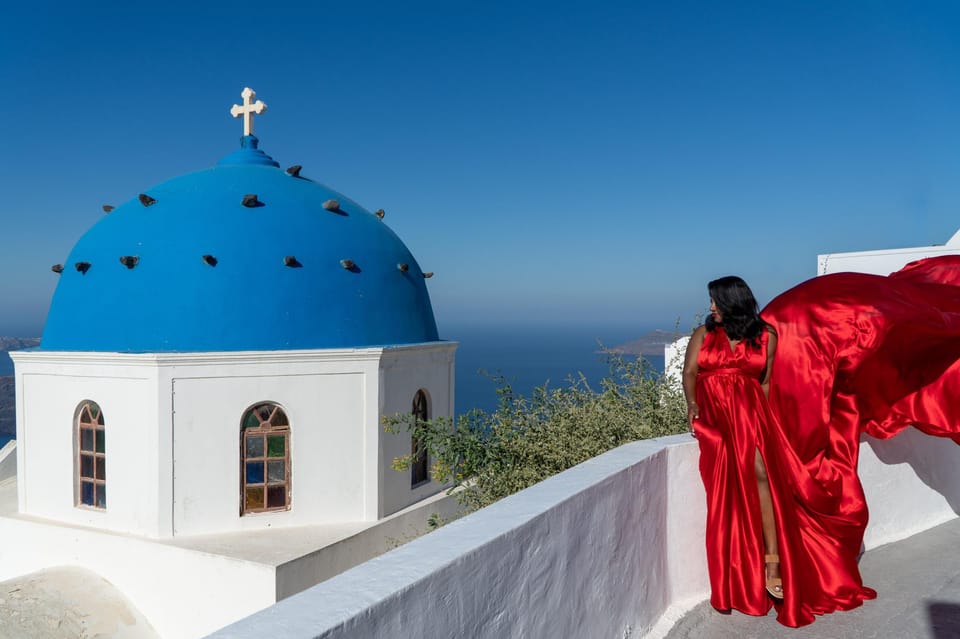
(918, 581)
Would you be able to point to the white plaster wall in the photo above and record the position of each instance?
(50, 387)
(173, 433)
(611, 548)
(326, 413)
(912, 483)
(182, 594)
(399, 528)
(586, 553)
(686, 551)
(404, 371)
(882, 262)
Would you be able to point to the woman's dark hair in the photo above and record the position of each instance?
(739, 308)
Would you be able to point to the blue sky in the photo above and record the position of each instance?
(552, 162)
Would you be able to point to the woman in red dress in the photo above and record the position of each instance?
(726, 380)
(779, 415)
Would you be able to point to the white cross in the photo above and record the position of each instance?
(248, 109)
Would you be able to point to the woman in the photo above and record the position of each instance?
(854, 353)
(726, 380)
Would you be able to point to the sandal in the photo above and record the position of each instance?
(774, 584)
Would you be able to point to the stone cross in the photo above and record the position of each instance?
(248, 109)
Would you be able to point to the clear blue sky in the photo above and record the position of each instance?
(552, 162)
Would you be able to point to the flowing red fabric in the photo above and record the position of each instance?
(856, 354)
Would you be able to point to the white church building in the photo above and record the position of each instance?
(202, 422)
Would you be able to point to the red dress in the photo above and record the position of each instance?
(734, 423)
(856, 353)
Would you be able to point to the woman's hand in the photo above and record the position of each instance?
(693, 413)
(690, 371)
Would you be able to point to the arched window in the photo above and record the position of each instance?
(419, 472)
(264, 460)
(91, 456)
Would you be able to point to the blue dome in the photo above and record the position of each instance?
(200, 269)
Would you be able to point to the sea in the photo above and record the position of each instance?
(525, 356)
(6, 368)
(531, 356)
(6, 364)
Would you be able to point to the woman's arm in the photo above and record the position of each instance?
(690, 370)
(768, 371)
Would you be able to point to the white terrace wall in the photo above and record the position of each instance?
(885, 261)
(612, 548)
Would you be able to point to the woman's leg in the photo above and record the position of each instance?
(766, 513)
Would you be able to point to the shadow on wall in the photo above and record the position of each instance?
(944, 619)
(935, 460)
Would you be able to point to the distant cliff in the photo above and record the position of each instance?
(650, 344)
(8, 405)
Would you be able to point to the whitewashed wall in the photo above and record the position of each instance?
(173, 432)
(49, 392)
(912, 483)
(600, 550)
(404, 371)
(611, 548)
(882, 262)
(328, 471)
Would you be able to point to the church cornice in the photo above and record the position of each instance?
(227, 357)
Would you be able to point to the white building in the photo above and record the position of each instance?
(883, 262)
(204, 413)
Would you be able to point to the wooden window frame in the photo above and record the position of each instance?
(420, 464)
(89, 419)
(273, 424)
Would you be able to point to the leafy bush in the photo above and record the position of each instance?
(527, 439)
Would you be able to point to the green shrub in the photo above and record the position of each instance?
(527, 439)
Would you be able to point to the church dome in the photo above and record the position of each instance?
(241, 256)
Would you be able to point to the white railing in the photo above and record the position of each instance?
(611, 548)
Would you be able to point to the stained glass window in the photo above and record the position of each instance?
(265, 459)
(419, 473)
(91, 456)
